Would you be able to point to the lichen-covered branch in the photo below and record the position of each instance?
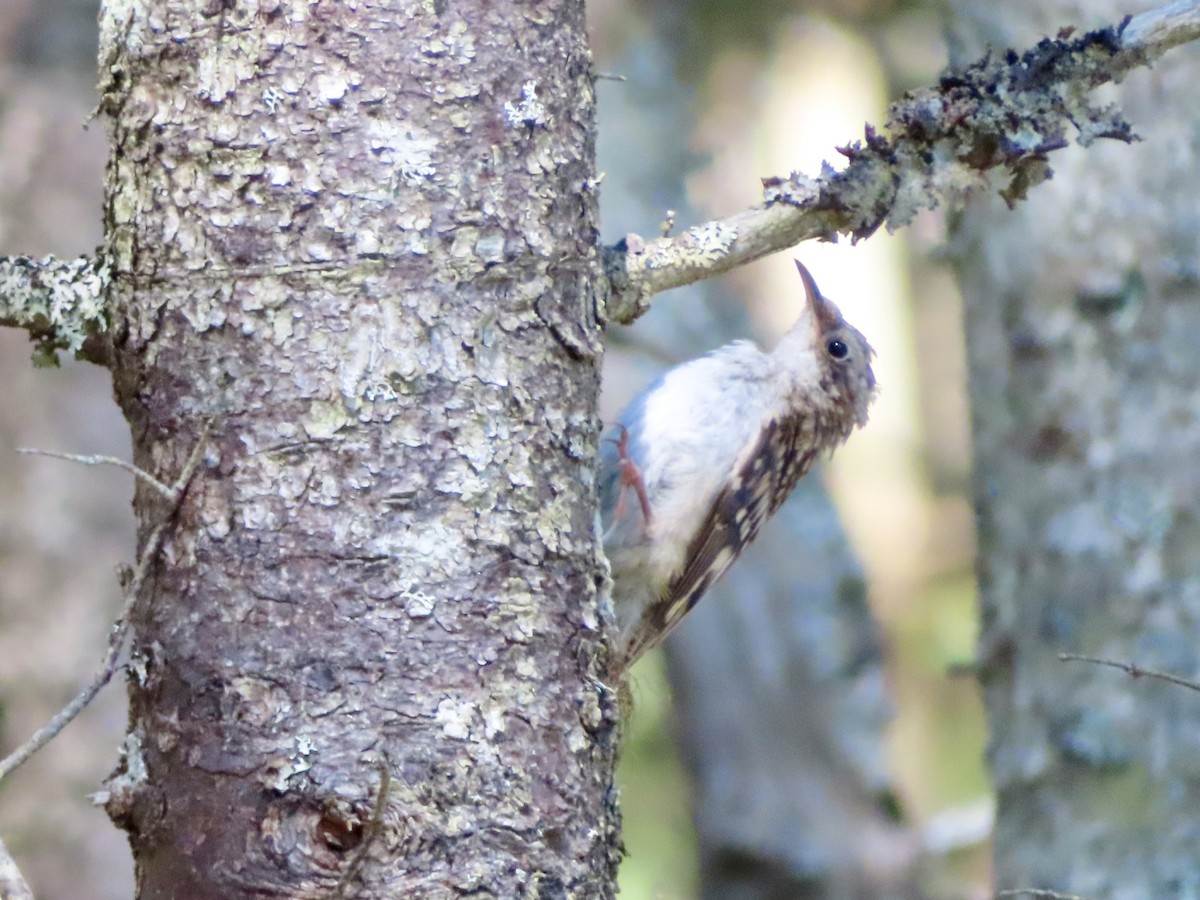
(989, 126)
(60, 303)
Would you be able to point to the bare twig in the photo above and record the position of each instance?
(12, 884)
(165, 489)
(988, 126)
(370, 832)
(1132, 669)
(1039, 892)
(116, 638)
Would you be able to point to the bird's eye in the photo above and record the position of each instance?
(837, 349)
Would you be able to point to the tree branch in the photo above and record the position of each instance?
(60, 303)
(169, 492)
(116, 638)
(990, 126)
(1133, 670)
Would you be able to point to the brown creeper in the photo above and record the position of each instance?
(712, 449)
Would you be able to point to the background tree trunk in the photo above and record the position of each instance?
(361, 240)
(1083, 327)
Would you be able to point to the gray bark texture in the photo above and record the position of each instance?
(359, 239)
(1083, 310)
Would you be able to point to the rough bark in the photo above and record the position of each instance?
(359, 238)
(1083, 315)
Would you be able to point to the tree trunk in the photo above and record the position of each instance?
(361, 240)
(1083, 316)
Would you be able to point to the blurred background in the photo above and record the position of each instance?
(830, 667)
(714, 96)
(64, 528)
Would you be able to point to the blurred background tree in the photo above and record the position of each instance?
(1083, 313)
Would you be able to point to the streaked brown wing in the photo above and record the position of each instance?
(763, 477)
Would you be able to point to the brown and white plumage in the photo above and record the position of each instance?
(713, 448)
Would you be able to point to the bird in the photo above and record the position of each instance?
(710, 451)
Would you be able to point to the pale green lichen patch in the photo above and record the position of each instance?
(455, 43)
(60, 303)
(554, 525)
(424, 556)
(455, 717)
(700, 244)
(522, 613)
(324, 419)
(418, 604)
(529, 111)
(295, 762)
(406, 148)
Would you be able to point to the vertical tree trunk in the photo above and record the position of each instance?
(1083, 317)
(361, 239)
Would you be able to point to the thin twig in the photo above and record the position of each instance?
(1039, 892)
(116, 638)
(1132, 669)
(13, 885)
(165, 489)
(370, 832)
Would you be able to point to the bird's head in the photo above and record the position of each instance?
(843, 354)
